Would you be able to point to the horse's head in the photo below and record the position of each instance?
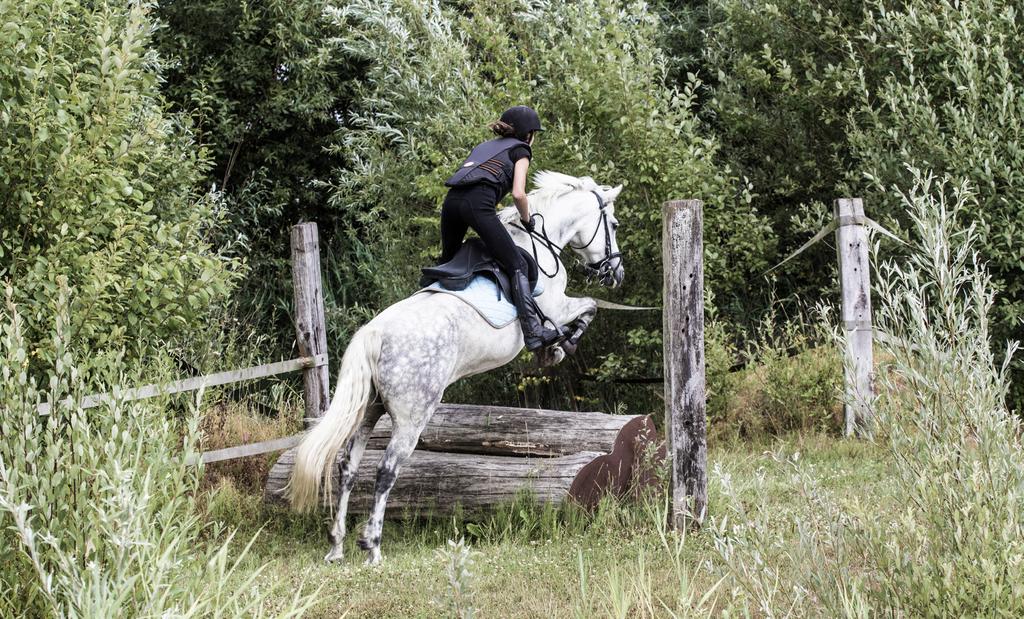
(582, 217)
(594, 238)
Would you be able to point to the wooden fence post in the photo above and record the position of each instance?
(683, 342)
(858, 363)
(310, 327)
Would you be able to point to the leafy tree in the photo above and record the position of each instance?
(98, 183)
(266, 92)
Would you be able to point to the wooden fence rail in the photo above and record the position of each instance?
(191, 384)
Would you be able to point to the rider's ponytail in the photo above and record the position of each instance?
(502, 129)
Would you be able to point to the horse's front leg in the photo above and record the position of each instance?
(577, 314)
(582, 313)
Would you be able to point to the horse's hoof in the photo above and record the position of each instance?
(549, 356)
(336, 554)
(374, 558)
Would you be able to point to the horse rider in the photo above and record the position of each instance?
(493, 169)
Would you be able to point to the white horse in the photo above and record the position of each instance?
(402, 361)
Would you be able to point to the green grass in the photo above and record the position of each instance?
(537, 563)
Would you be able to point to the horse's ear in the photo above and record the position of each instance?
(613, 193)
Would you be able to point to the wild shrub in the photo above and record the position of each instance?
(98, 183)
(789, 382)
(97, 510)
(813, 100)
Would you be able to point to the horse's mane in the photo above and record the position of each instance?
(549, 186)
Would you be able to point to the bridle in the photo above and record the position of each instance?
(603, 269)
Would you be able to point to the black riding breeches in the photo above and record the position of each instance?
(473, 206)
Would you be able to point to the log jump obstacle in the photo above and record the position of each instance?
(476, 456)
(479, 456)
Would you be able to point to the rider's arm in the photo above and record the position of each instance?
(519, 188)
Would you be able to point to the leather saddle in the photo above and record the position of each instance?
(473, 259)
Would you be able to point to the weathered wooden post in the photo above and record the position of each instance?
(858, 363)
(310, 326)
(683, 342)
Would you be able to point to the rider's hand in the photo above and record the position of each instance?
(528, 224)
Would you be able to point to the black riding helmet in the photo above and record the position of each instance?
(523, 119)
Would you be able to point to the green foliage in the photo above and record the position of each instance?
(777, 102)
(816, 100)
(938, 85)
(97, 515)
(791, 382)
(97, 183)
(266, 93)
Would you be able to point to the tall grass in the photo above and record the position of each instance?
(958, 546)
(955, 544)
(97, 509)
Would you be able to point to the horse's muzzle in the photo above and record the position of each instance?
(610, 272)
(618, 275)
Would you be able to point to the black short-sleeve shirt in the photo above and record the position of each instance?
(518, 152)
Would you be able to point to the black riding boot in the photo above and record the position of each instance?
(535, 334)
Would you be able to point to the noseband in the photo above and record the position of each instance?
(603, 269)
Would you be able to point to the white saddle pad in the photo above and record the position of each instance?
(483, 295)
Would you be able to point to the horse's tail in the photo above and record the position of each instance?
(315, 455)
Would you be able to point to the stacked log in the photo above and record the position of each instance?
(480, 456)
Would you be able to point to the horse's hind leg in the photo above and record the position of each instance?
(347, 478)
(405, 433)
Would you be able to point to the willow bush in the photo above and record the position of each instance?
(97, 183)
(98, 513)
(437, 73)
(938, 85)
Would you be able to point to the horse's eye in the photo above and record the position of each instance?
(615, 225)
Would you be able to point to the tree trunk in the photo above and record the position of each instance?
(434, 482)
(505, 431)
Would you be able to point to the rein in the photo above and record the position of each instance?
(601, 269)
